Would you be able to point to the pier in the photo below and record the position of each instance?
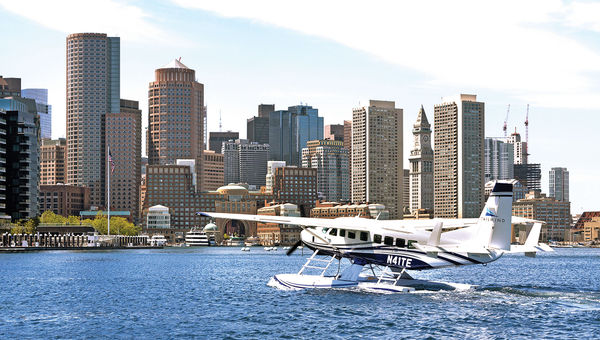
(37, 242)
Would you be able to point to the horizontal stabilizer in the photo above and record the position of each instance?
(468, 249)
(430, 250)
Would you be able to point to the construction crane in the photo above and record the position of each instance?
(504, 128)
(527, 131)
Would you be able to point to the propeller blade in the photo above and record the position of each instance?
(291, 250)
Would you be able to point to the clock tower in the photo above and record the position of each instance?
(421, 166)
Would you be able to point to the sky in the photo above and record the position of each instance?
(336, 55)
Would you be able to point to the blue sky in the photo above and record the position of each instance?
(336, 55)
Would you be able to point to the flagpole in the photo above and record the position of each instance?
(108, 171)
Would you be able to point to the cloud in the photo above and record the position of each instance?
(518, 47)
(69, 16)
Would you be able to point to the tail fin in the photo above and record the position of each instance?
(495, 220)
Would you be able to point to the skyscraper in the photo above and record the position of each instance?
(124, 137)
(458, 170)
(330, 158)
(176, 115)
(257, 128)
(421, 165)
(559, 184)
(520, 148)
(93, 90)
(216, 139)
(290, 129)
(245, 162)
(44, 110)
(334, 132)
(499, 159)
(377, 156)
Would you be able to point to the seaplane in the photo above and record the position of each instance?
(379, 253)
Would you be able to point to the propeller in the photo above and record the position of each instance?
(293, 248)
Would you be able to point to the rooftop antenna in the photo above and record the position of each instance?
(220, 122)
(179, 59)
(527, 131)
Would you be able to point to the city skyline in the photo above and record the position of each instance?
(322, 77)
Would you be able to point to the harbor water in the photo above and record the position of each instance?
(223, 293)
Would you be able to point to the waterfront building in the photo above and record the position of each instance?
(458, 165)
(171, 186)
(245, 161)
(499, 159)
(93, 91)
(290, 130)
(53, 159)
(330, 158)
(529, 174)
(559, 184)
(19, 156)
(348, 146)
(270, 234)
(297, 186)
(124, 138)
(588, 225)
(158, 220)
(556, 214)
(335, 210)
(270, 177)
(334, 132)
(176, 116)
(44, 110)
(216, 140)
(519, 190)
(63, 199)
(213, 176)
(377, 155)
(519, 148)
(421, 166)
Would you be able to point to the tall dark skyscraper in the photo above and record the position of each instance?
(257, 128)
(290, 130)
(216, 139)
(93, 91)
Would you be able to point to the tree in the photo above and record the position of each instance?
(31, 225)
(73, 220)
(51, 218)
(118, 226)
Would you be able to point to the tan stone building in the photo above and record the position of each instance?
(53, 158)
(64, 200)
(458, 170)
(124, 137)
(556, 214)
(335, 210)
(377, 155)
(588, 225)
(93, 90)
(213, 176)
(330, 158)
(270, 234)
(176, 115)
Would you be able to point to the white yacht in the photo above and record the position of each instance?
(196, 238)
(157, 240)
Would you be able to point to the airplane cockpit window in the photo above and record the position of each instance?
(388, 240)
(351, 234)
(377, 238)
(400, 243)
(343, 232)
(364, 236)
(333, 232)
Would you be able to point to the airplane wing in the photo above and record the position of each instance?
(358, 224)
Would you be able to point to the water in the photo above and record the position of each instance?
(222, 293)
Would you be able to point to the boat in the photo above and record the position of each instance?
(245, 248)
(196, 238)
(157, 240)
(252, 241)
(235, 241)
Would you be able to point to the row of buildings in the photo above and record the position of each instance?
(289, 156)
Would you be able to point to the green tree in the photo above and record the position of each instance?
(50, 217)
(17, 229)
(31, 225)
(118, 226)
(73, 220)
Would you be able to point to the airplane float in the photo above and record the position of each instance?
(380, 252)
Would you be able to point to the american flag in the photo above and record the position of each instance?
(110, 160)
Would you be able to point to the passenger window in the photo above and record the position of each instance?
(364, 236)
(400, 242)
(351, 234)
(343, 232)
(388, 240)
(410, 244)
(377, 238)
(333, 232)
